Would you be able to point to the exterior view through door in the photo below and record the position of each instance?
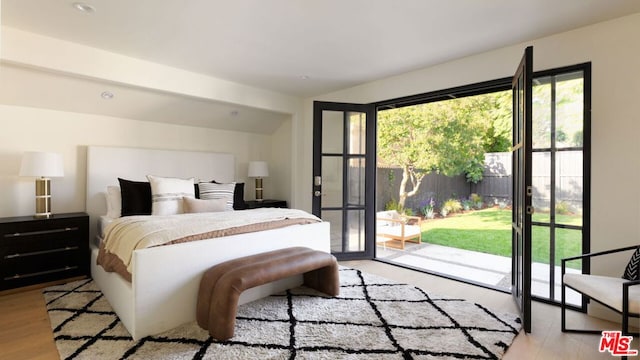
(506, 226)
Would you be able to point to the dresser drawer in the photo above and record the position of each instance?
(40, 240)
(34, 251)
(34, 263)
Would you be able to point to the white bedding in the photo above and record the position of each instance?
(127, 234)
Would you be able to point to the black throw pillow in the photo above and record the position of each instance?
(632, 272)
(136, 197)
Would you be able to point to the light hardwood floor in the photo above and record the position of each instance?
(25, 332)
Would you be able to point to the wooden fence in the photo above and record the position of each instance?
(496, 185)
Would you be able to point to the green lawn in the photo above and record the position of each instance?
(489, 231)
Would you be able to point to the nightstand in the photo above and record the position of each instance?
(41, 250)
(254, 204)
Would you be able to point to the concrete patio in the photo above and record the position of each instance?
(490, 270)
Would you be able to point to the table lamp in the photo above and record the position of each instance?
(258, 170)
(44, 166)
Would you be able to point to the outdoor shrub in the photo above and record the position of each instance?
(466, 204)
(407, 211)
(428, 208)
(452, 205)
(392, 205)
(476, 200)
(563, 208)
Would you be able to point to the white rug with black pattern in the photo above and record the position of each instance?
(373, 318)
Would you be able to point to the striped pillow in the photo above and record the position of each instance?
(218, 191)
(167, 194)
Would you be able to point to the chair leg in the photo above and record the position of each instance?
(563, 299)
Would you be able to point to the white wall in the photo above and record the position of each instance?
(614, 51)
(24, 129)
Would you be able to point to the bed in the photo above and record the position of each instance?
(162, 293)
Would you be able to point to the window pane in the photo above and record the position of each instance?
(355, 230)
(357, 133)
(569, 110)
(569, 190)
(334, 217)
(568, 243)
(332, 132)
(331, 181)
(355, 177)
(541, 111)
(540, 261)
(541, 182)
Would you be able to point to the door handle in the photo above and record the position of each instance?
(317, 193)
(317, 180)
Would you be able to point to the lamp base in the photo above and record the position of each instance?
(43, 198)
(259, 189)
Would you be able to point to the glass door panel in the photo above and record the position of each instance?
(341, 190)
(541, 198)
(332, 185)
(334, 217)
(355, 241)
(559, 178)
(569, 187)
(332, 132)
(356, 177)
(540, 240)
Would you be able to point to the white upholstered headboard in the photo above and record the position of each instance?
(106, 164)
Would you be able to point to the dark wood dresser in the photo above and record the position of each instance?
(254, 204)
(36, 250)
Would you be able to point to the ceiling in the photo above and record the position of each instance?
(294, 47)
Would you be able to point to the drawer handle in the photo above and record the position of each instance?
(52, 231)
(32, 253)
(22, 276)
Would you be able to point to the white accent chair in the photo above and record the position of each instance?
(616, 293)
(393, 228)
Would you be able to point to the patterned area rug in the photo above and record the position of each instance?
(372, 318)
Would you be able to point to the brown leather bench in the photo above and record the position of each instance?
(222, 284)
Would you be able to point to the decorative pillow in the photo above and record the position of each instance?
(218, 191)
(167, 194)
(199, 205)
(632, 272)
(114, 202)
(136, 197)
(238, 196)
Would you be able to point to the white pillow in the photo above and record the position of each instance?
(167, 194)
(114, 202)
(200, 205)
(218, 191)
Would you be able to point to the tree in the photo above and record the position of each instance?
(446, 137)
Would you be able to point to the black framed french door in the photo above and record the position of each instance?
(561, 157)
(344, 176)
(522, 189)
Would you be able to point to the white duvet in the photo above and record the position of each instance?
(126, 234)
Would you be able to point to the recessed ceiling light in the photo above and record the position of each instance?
(85, 8)
(107, 95)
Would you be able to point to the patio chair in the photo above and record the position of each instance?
(393, 227)
(616, 293)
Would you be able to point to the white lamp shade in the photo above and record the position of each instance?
(42, 164)
(258, 169)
